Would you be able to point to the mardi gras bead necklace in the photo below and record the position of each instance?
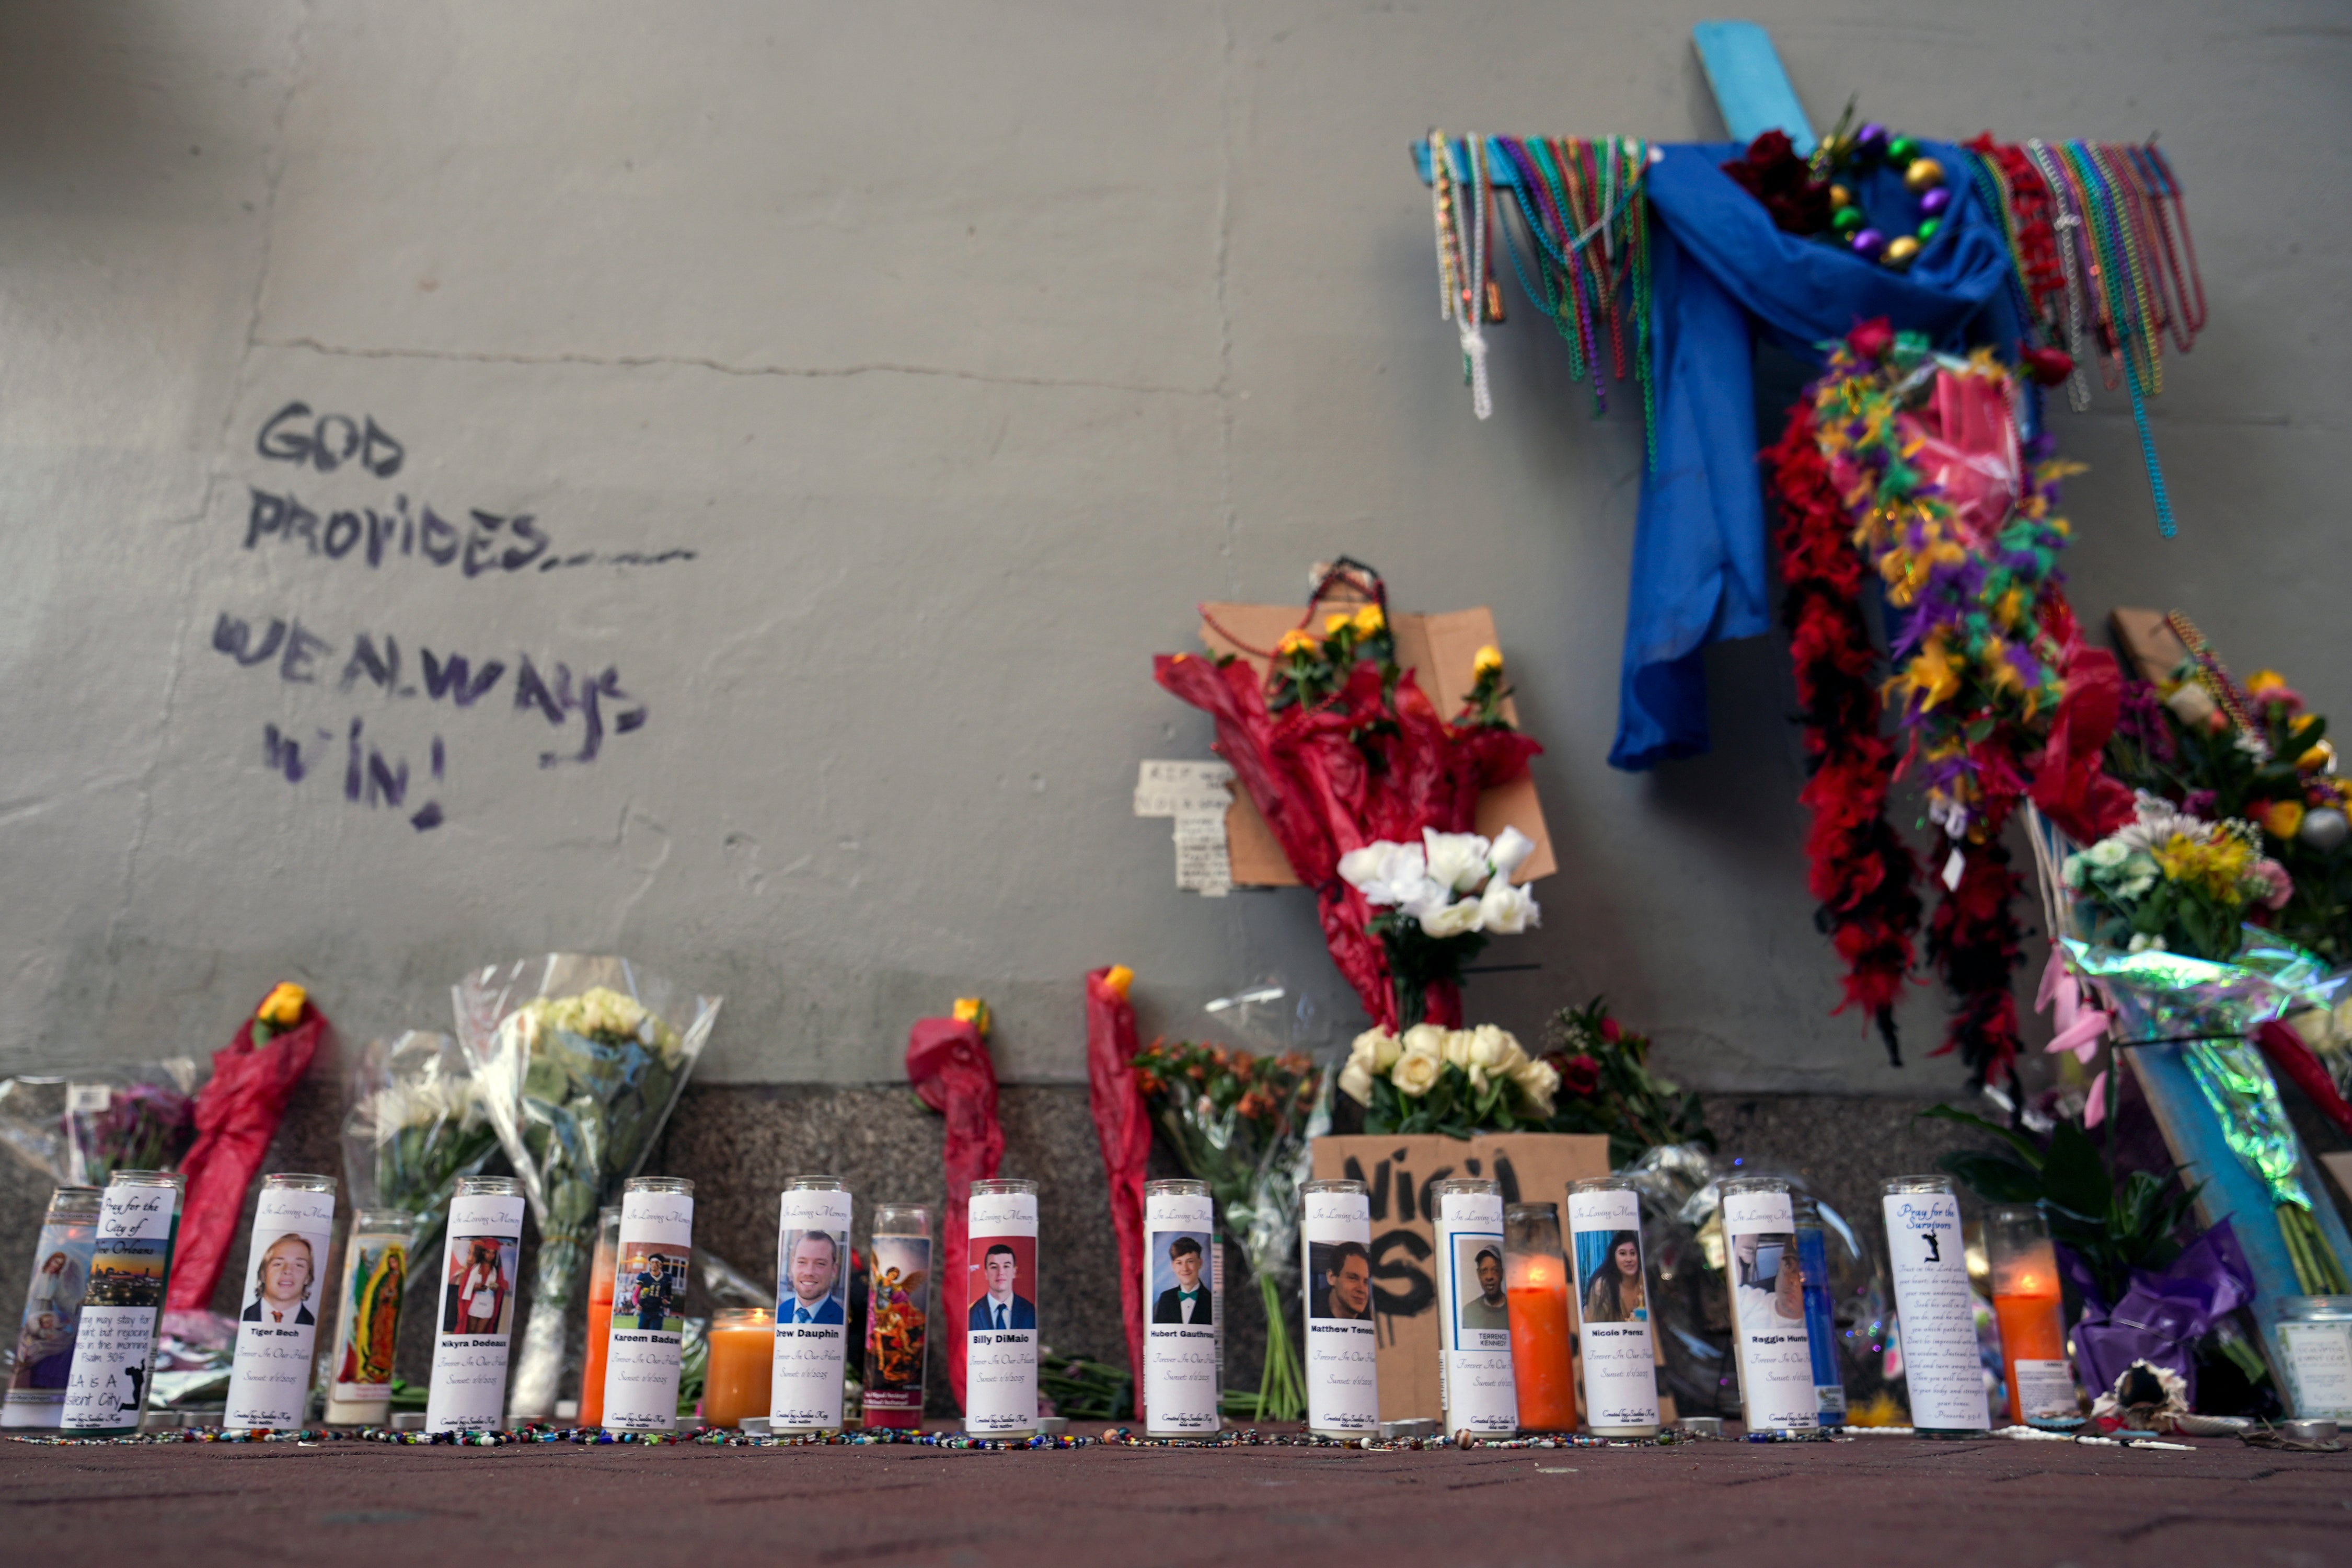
(1465, 270)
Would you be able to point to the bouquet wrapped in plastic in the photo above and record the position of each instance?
(417, 1124)
(578, 1061)
(78, 1126)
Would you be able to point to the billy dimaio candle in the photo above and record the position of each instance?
(1935, 1312)
(641, 1369)
(44, 1334)
(474, 1295)
(1343, 1391)
(811, 1306)
(375, 1273)
(130, 1270)
(1180, 1332)
(277, 1317)
(1000, 1376)
(1768, 1305)
(1474, 1324)
(1621, 1379)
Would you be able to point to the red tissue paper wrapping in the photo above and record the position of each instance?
(236, 1114)
(948, 1063)
(1123, 1128)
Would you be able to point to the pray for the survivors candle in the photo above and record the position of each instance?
(1935, 1312)
(277, 1322)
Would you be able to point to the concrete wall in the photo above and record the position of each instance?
(960, 349)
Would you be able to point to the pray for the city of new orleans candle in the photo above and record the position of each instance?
(1180, 1331)
(278, 1316)
(812, 1305)
(130, 1270)
(1343, 1391)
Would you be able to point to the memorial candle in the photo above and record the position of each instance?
(738, 1382)
(600, 1316)
(2027, 1303)
(1543, 1368)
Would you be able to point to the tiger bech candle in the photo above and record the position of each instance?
(1180, 1331)
(277, 1315)
(130, 1270)
(44, 1334)
(367, 1316)
(475, 1296)
(641, 1369)
(1934, 1307)
(1768, 1299)
(811, 1306)
(1474, 1324)
(1343, 1391)
(999, 1311)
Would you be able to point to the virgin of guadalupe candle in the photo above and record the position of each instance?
(1767, 1303)
(1000, 1375)
(474, 1294)
(1180, 1332)
(897, 1306)
(375, 1272)
(130, 1270)
(811, 1335)
(1474, 1324)
(1612, 1294)
(44, 1334)
(1343, 1389)
(641, 1364)
(1934, 1310)
(278, 1322)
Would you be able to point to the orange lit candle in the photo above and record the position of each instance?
(600, 1316)
(742, 1360)
(2030, 1308)
(1543, 1366)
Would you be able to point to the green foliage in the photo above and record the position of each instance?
(1606, 1087)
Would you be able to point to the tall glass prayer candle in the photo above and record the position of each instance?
(648, 1341)
(2029, 1305)
(44, 1334)
(130, 1271)
(1821, 1319)
(1613, 1295)
(1473, 1314)
(1543, 1369)
(600, 1316)
(742, 1364)
(375, 1274)
(1935, 1310)
(809, 1337)
(473, 1299)
(277, 1319)
(1768, 1305)
(999, 1311)
(898, 1307)
(2314, 1341)
(1335, 1231)
(1180, 1329)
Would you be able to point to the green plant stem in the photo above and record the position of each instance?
(1281, 1384)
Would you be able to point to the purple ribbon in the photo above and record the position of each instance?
(2161, 1316)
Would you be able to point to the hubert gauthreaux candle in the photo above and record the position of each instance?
(1180, 1331)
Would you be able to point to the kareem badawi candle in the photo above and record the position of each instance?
(641, 1368)
(1935, 1312)
(278, 1318)
(811, 1306)
(1767, 1304)
(44, 1334)
(1180, 1331)
(1474, 1324)
(1621, 1380)
(130, 1270)
(475, 1296)
(1343, 1391)
(1000, 1311)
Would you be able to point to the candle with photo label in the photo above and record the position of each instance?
(811, 1331)
(1343, 1388)
(44, 1334)
(474, 1300)
(130, 1271)
(1474, 1321)
(1179, 1330)
(1000, 1316)
(1621, 1375)
(277, 1313)
(1935, 1312)
(1767, 1303)
(642, 1364)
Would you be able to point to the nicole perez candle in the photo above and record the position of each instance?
(812, 1323)
(649, 1305)
(1934, 1309)
(1180, 1332)
(278, 1322)
(1000, 1378)
(2029, 1306)
(1343, 1391)
(1474, 1325)
(474, 1297)
(1620, 1381)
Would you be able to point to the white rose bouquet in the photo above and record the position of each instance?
(1454, 1082)
(1440, 900)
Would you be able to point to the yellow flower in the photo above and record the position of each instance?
(1369, 622)
(974, 1011)
(2284, 817)
(1298, 639)
(2315, 760)
(1489, 661)
(283, 1005)
(1119, 978)
(2213, 867)
(2263, 682)
(1336, 622)
(1934, 672)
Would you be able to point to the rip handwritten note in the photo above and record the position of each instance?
(1195, 794)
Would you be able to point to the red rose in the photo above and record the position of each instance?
(1609, 1031)
(1580, 1076)
(2047, 366)
(1871, 339)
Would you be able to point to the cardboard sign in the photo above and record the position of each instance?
(1438, 651)
(1402, 1176)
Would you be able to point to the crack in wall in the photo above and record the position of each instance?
(1225, 313)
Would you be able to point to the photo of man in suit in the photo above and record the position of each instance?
(814, 1269)
(1187, 1301)
(1345, 1289)
(282, 1284)
(1003, 1307)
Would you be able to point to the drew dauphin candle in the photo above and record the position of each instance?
(1768, 1305)
(44, 1332)
(1180, 1328)
(811, 1335)
(277, 1315)
(999, 1311)
(1474, 1324)
(130, 1271)
(1335, 1231)
(897, 1311)
(474, 1298)
(1621, 1380)
(642, 1362)
(375, 1274)
(1935, 1312)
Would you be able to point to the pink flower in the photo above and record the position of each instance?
(2282, 886)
